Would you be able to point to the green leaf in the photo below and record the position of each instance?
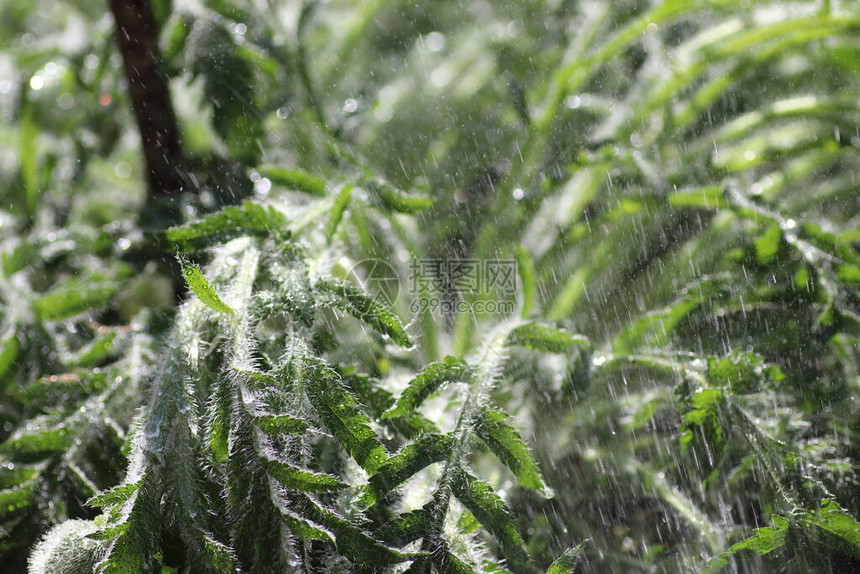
(16, 498)
(351, 540)
(300, 479)
(116, 495)
(705, 197)
(10, 347)
(76, 296)
(767, 245)
(491, 511)
(742, 372)
(546, 339)
(99, 351)
(339, 207)
(229, 223)
(507, 444)
(38, 440)
(434, 375)
(656, 327)
(392, 199)
(296, 180)
(305, 529)
(339, 411)
(201, 287)
(526, 271)
(842, 529)
(765, 540)
(566, 563)
(350, 299)
(426, 450)
(65, 386)
(405, 528)
(280, 424)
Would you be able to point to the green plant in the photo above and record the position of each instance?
(676, 389)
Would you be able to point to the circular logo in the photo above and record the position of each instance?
(377, 279)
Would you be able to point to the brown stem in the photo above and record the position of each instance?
(137, 36)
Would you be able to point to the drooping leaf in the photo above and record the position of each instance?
(350, 299)
(505, 441)
(491, 511)
(434, 375)
(340, 413)
(415, 456)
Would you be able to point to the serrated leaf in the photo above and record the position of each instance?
(351, 540)
(566, 563)
(116, 495)
(406, 528)
(296, 180)
(227, 224)
(434, 375)
(546, 339)
(426, 450)
(765, 540)
(491, 511)
(341, 415)
(507, 444)
(305, 529)
(280, 424)
(201, 287)
(742, 372)
(842, 529)
(350, 299)
(64, 386)
(301, 479)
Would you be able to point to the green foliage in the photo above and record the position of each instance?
(677, 384)
(201, 287)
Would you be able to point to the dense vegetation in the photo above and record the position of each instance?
(193, 380)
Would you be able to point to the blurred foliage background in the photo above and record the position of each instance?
(681, 175)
